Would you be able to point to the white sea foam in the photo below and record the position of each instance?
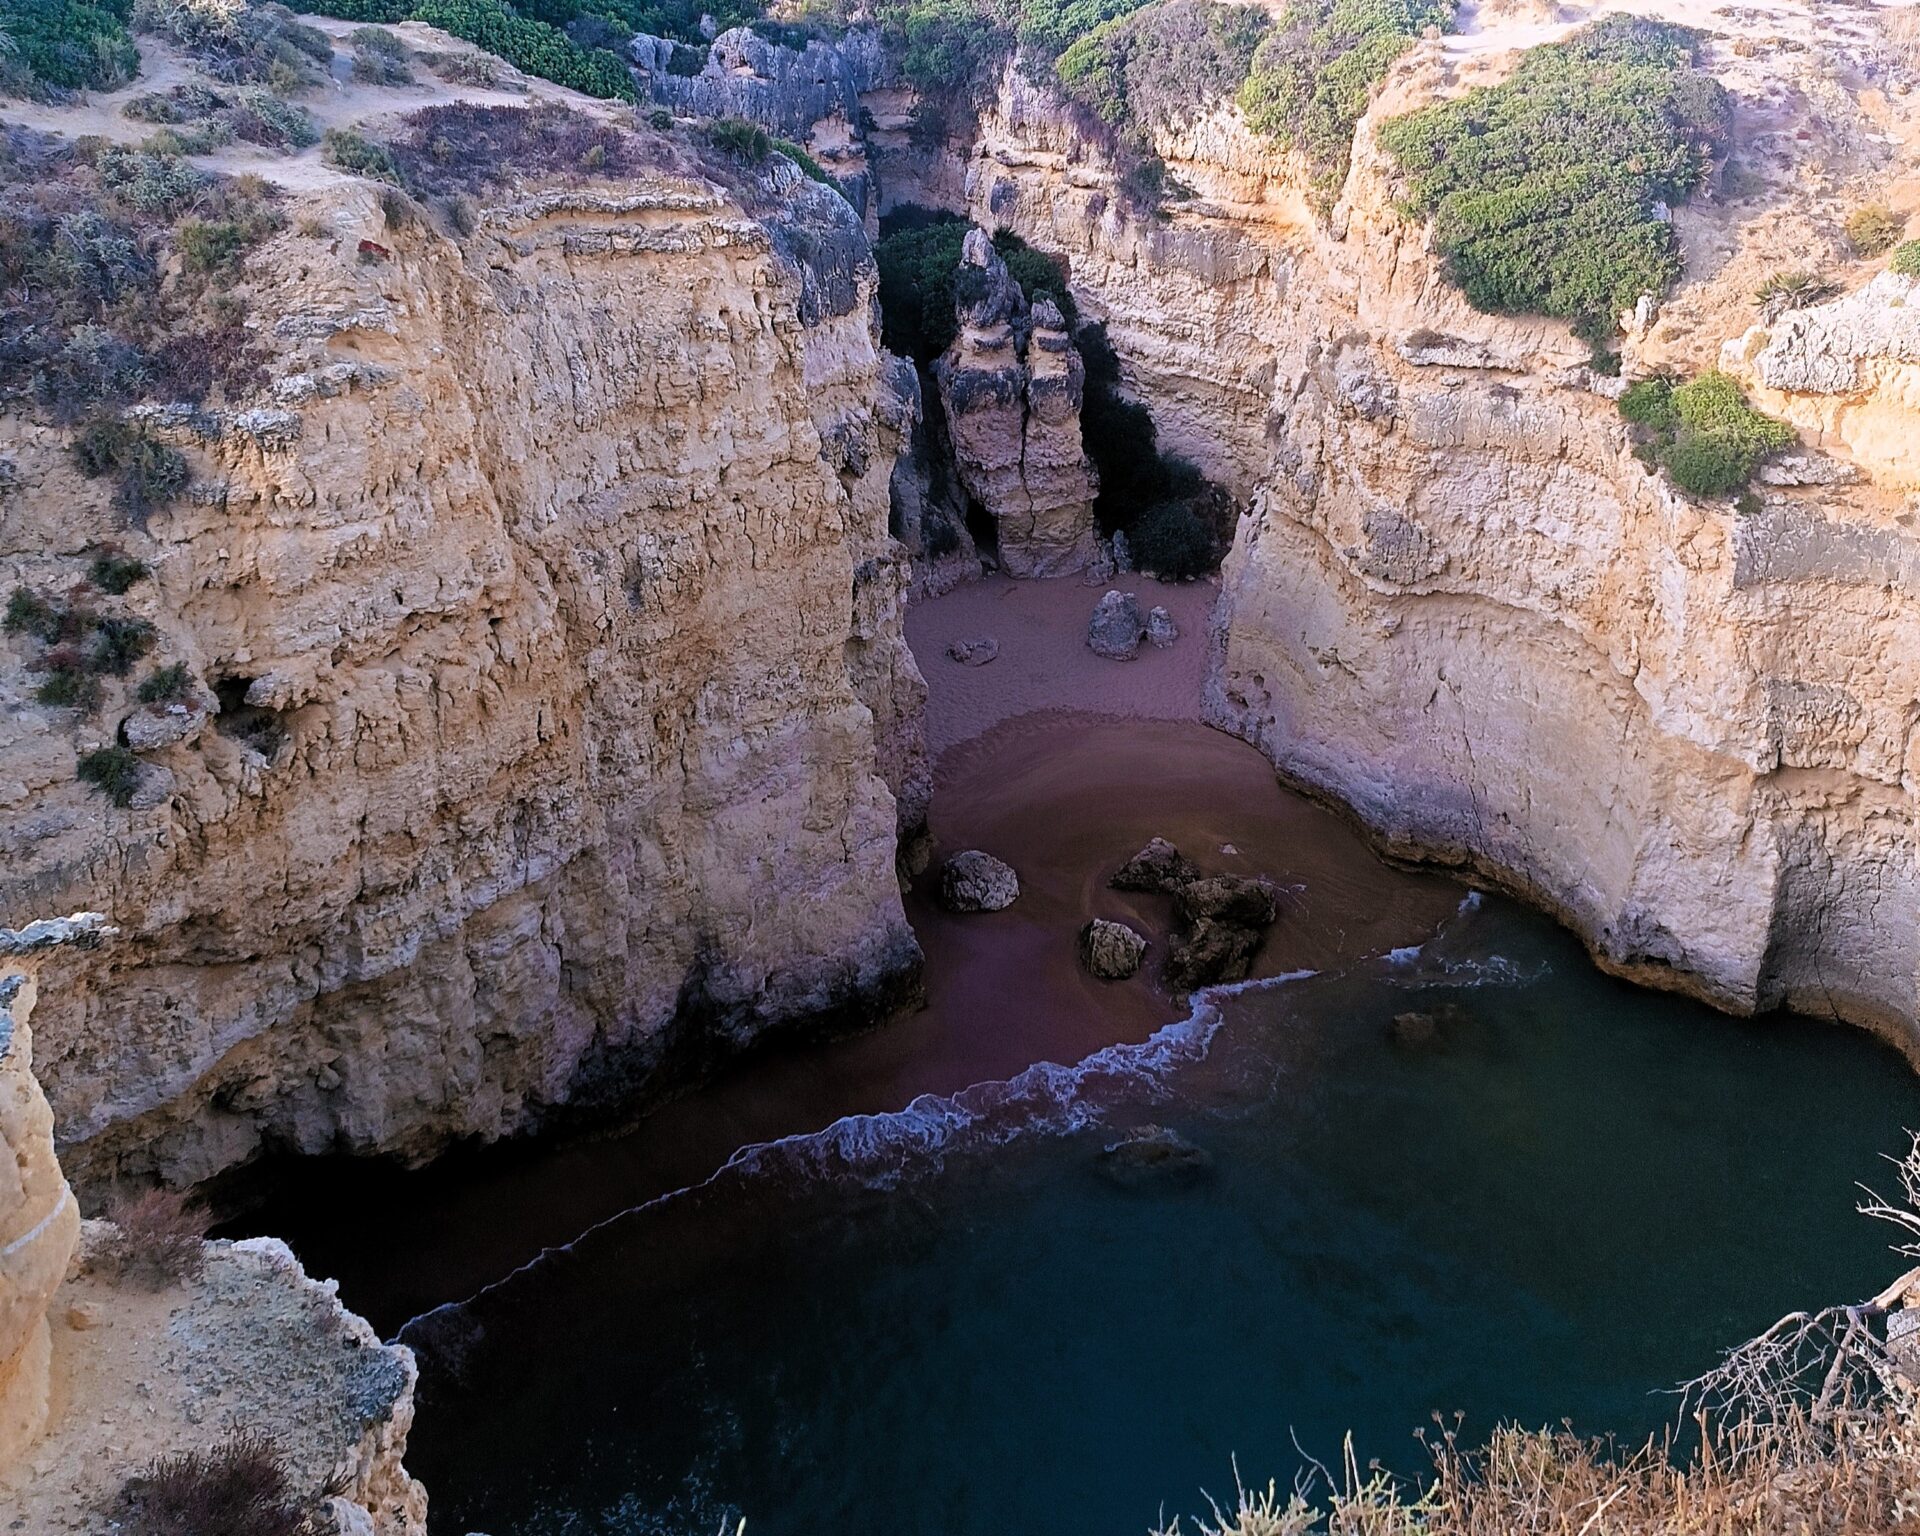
(883, 1151)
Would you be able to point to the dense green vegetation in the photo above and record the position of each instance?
(1906, 259)
(919, 255)
(77, 645)
(1159, 66)
(521, 38)
(1314, 75)
(1544, 189)
(1702, 432)
(66, 45)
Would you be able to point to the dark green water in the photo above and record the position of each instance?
(947, 1321)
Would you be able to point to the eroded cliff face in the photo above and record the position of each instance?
(564, 724)
(1458, 605)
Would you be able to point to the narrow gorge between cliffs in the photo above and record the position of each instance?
(846, 1281)
(960, 766)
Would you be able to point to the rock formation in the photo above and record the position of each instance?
(566, 725)
(1012, 383)
(39, 1218)
(1116, 627)
(977, 882)
(1111, 951)
(1461, 607)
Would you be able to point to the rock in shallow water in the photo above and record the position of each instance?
(1111, 951)
(1157, 867)
(977, 882)
(1153, 1155)
(1115, 629)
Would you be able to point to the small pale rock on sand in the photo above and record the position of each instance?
(977, 882)
(1161, 630)
(976, 652)
(1111, 951)
(1116, 627)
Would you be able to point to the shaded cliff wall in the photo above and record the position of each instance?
(552, 609)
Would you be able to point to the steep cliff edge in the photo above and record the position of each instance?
(1459, 605)
(564, 721)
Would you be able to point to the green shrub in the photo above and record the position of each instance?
(1162, 65)
(799, 156)
(115, 573)
(660, 118)
(1313, 76)
(1047, 28)
(739, 138)
(359, 155)
(529, 39)
(945, 47)
(148, 474)
(171, 684)
(1906, 259)
(161, 184)
(378, 40)
(263, 118)
(28, 613)
(1702, 432)
(68, 685)
(70, 45)
(1783, 291)
(1172, 540)
(1874, 230)
(1543, 189)
(117, 644)
(379, 69)
(1036, 273)
(241, 42)
(114, 771)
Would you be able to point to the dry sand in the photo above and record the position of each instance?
(1044, 662)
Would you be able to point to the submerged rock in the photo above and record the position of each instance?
(1426, 1029)
(1157, 867)
(1153, 1155)
(1116, 627)
(977, 882)
(1161, 630)
(976, 652)
(1111, 951)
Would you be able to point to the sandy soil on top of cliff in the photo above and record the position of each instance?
(1044, 662)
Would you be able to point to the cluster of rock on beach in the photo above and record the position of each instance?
(1219, 920)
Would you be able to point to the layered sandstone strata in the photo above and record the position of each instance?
(39, 1219)
(1012, 385)
(1459, 605)
(564, 721)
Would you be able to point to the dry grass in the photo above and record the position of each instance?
(238, 1488)
(1552, 1483)
(159, 1239)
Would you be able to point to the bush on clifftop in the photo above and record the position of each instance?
(1546, 190)
(1702, 433)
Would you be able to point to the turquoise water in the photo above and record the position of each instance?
(949, 1321)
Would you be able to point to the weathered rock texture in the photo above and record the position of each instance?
(248, 1342)
(1012, 384)
(566, 720)
(1461, 607)
(39, 1218)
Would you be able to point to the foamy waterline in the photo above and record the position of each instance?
(885, 1150)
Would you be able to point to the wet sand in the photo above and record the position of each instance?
(1062, 794)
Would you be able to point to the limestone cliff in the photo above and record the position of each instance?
(1460, 606)
(553, 722)
(1011, 385)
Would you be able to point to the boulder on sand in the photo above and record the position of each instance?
(976, 652)
(1224, 919)
(1157, 867)
(1111, 951)
(1116, 628)
(1161, 630)
(977, 882)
